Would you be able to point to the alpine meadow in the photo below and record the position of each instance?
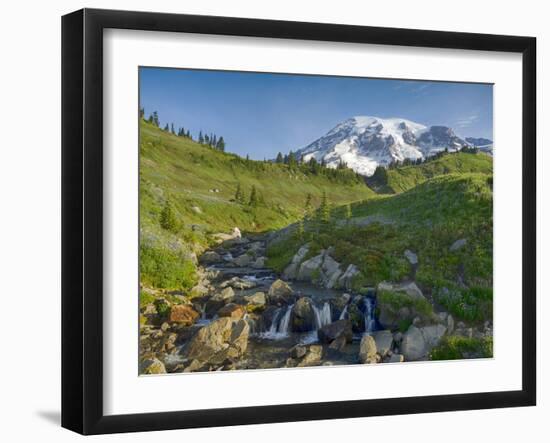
(295, 221)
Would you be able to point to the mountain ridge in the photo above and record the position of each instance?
(365, 142)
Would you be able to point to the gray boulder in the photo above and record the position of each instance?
(395, 358)
(384, 342)
(210, 257)
(310, 270)
(313, 356)
(243, 260)
(290, 272)
(259, 263)
(219, 299)
(256, 299)
(418, 342)
(367, 350)
(411, 257)
(413, 345)
(221, 339)
(402, 302)
(238, 283)
(305, 356)
(408, 288)
(346, 279)
(280, 292)
(458, 244)
(330, 272)
(152, 366)
(433, 334)
(302, 317)
(333, 331)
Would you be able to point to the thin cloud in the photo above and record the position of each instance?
(467, 121)
(418, 89)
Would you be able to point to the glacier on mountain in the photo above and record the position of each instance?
(365, 142)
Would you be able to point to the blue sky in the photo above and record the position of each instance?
(261, 114)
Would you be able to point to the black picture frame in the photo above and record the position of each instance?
(82, 220)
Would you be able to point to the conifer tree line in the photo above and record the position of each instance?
(212, 140)
(320, 219)
(312, 166)
(419, 161)
(255, 198)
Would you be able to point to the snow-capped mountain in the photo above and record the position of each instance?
(484, 144)
(365, 142)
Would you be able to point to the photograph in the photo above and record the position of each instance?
(292, 220)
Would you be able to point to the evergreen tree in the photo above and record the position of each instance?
(261, 199)
(168, 219)
(313, 166)
(300, 229)
(201, 138)
(324, 210)
(141, 112)
(172, 130)
(292, 163)
(156, 121)
(279, 158)
(167, 128)
(150, 118)
(308, 206)
(188, 134)
(220, 144)
(253, 197)
(239, 196)
(348, 213)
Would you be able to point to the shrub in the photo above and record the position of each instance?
(404, 325)
(168, 218)
(280, 254)
(398, 300)
(456, 348)
(145, 299)
(162, 268)
(163, 308)
(470, 304)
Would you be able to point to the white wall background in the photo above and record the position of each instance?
(30, 217)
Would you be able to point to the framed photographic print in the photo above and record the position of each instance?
(269, 221)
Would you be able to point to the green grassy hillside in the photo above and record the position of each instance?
(427, 219)
(200, 184)
(188, 192)
(403, 178)
(187, 173)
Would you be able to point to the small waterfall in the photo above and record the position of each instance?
(285, 322)
(274, 322)
(251, 323)
(203, 321)
(324, 316)
(370, 322)
(280, 324)
(344, 313)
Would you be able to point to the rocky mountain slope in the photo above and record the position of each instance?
(365, 142)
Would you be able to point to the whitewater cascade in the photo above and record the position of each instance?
(370, 322)
(280, 324)
(344, 313)
(285, 322)
(323, 316)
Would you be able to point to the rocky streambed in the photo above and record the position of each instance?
(244, 316)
